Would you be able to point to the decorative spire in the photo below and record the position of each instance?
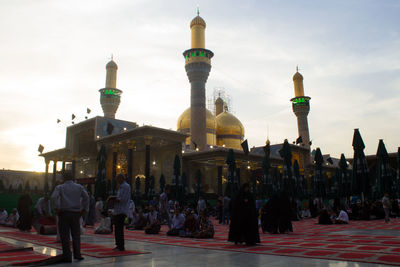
(198, 10)
(297, 68)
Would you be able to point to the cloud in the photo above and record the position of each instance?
(54, 55)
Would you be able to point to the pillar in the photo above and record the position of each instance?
(147, 141)
(46, 177)
(54, 174)
(130, 166)
(219, 169)
(114, 171)
(73, 168)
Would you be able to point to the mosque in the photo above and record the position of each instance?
(202, 139)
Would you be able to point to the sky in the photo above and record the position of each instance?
(53, 55)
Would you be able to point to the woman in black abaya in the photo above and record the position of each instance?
(285, 213)
(25, 212)
(244, 218)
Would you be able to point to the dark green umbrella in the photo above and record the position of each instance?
(162, 183)
(100, 184)
(344, 181)
(232, 183)
(184, 188)
(319, 183)
(177, 173)
(277, 180)
(151, 191)
(198, 184)
(254, 183)
(267, 187)
(398, 173)
(298, 185)
(384, 179)
(360, 179)
(286, 154)
(137, 189)
(335, 184)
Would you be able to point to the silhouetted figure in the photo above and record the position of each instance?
(244, 219)
(25, 213)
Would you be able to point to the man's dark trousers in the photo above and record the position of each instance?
(119, 220)
(69, 223)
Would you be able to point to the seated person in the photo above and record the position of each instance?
(343, 218)
(12, 219)
(154, 202)
(153, 222)
(3, 216)
(105, 225)
(190, 226)
(206, 227)
(139, 221)
(324, 217)
(178, 220)
(42, 207)
(305, 213)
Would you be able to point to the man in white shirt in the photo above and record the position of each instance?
(121, 210)
(132, 209)
(386, 206)
(343, 218)
(70, 201)
(3, 216)
(201, 205)
(178, 220)
(43, 207)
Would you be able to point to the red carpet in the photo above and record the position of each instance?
(92, 250)
(309, 240)
(14, 255)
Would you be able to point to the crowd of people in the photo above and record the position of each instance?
(72, 208)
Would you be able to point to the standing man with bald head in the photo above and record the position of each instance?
(70, 201)
(121, 210)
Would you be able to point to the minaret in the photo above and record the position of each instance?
(219, 106)
(110, 96)
(301, 107)
(198, 66)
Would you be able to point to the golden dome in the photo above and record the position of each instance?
(197, 21)
(111, 65)
(229, 125)
(297, 76)
(184, 121)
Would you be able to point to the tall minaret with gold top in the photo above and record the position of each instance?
(110, 96)
(301, 108)
(198, 66)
